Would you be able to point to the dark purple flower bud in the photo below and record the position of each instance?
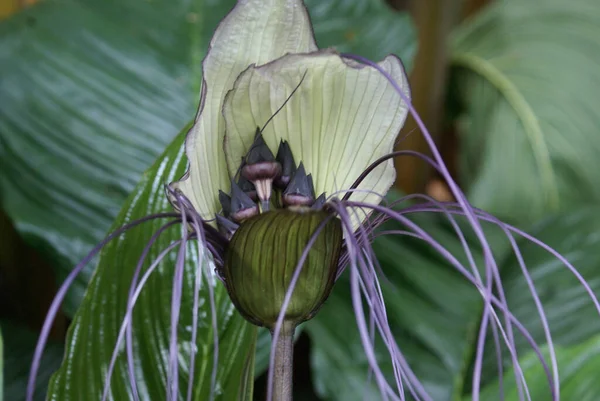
(248, 187)
(319, 203)
(300, 191)
(226, 227)
(225, 201)
(260, 164)
(288, 165)
(242, 206)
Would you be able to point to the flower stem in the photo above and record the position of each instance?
(283, 368)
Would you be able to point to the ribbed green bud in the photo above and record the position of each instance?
(263, 254)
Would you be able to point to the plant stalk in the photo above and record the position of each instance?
(284, 360)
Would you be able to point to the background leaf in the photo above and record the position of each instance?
(579, 366)
(19, 344)
(93, 91)
(523, 78)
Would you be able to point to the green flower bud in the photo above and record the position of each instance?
(263, 255)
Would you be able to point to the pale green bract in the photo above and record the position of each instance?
(343, 117)
(255, 31)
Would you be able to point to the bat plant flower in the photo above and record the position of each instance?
(283, 129)
(290, 156)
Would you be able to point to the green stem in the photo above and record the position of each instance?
(284, 360)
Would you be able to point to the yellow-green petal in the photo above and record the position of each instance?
(343, 117)
(254, 32)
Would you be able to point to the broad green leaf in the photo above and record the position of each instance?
(579, 367)
(433, 312)
(523, 80)
(92, 335)
(571, 314)
(19, 344)
(93, 91)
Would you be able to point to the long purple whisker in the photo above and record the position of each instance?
(180, 201)
(359, 315)
(195, 303)
(488, 217)
(502, 296)
(498, 304)
(215, 244)
(485, 292)
(173, 372)
(398, 372)
(363, 241)
(368, 346)
(499, 363)
(132, 287)
(494, 327)
(496, 278)
(490, 263)
(128, 315)
(458, 194)
(498, 282)
(358, 266)
(372, 290)
(538, 305)
(518, 370)
(446, 174)
(213, 309)
(368, 226)
(401, 367)
(62, 292)
(370, 266)
(372, 337)
(530, 284)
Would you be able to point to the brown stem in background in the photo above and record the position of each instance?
(434, 20)
(472, 7)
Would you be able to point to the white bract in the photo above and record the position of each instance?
(343, 116)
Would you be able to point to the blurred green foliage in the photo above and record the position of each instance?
(525, 75)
